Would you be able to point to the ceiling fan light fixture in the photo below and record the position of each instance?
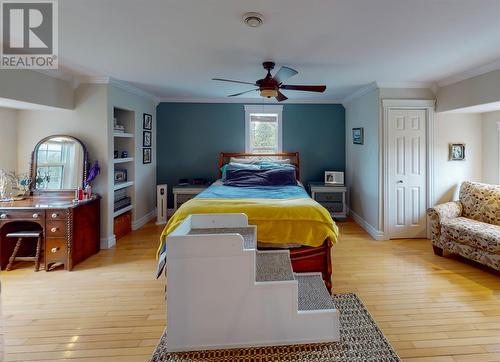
(268, 93)
(252, 19)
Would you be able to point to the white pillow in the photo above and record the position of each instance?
(258, 159)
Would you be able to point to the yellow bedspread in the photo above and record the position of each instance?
(280, 221)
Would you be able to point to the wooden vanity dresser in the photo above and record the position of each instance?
(70, 230)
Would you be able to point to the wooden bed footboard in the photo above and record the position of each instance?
(308, 259)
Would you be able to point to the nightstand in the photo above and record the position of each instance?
(183, 193)
(331, 197)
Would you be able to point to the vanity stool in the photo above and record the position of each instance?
(20, 235)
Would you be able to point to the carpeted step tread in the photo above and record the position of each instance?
(248, 234)
(313, 294)
(273, 266)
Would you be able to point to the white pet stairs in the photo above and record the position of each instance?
(223, 293)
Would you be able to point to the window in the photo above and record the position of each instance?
(263, 132)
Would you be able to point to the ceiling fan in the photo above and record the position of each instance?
(270, 86)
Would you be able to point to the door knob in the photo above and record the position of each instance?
(3, 216)
(400, 181)
(54, 250)
(54, 230)
(35, 216)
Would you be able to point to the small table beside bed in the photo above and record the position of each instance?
(267, 188)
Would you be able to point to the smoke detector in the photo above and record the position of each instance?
(253, 20)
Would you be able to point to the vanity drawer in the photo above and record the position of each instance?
(21, 215)
(56, 215)
(55, 249)
(55, 228)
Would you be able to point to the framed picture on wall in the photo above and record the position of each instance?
(146, 139)
(456, 152)
(358, 136)
(147, 121)
(146, 155)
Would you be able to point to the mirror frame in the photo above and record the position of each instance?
(33, 165)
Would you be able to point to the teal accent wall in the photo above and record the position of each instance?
(190, 137)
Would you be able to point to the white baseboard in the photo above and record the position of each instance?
(370, 229)
(137, 224)
(109, 242)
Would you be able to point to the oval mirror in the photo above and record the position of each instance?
(59, 163)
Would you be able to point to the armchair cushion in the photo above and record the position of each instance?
(473, 233)
(442, 212)
(481, 202)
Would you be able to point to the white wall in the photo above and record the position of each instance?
(474, 91)
(8, 139)
(491, 147)
(362, 161)
(37, 88)
(88, 122)
(456, 128)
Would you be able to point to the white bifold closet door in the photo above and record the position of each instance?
(407, 173)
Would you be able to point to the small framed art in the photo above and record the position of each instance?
(334, 178)
(147, 121)
(456, 152)
(358, 136)
(146, 155)
(146, 139)
(120, 176)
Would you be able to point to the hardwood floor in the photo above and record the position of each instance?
(111, 308)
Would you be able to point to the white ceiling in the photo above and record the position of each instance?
(173, 48)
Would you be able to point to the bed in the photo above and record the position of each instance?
(286, 217)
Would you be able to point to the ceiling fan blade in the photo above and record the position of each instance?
(232, 81)
(281, 97)
(284, 73)
(239, 94)
(306, 88)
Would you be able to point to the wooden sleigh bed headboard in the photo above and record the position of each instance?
(225, 157)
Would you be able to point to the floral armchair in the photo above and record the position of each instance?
(469, 227)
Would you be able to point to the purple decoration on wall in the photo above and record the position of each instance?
(93, 172)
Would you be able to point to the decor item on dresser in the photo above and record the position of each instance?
(331, 197)
(146, 155)
(147, 121)
(146, 139)
(456, 152)
(68, 230)
(120, 176)
(470, 226)
(13, 186)
(358, 136)
(334, 178)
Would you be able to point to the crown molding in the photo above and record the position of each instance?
(121, 85)
(359, 92)
(470, 73)
(249, 101)
(404, 84)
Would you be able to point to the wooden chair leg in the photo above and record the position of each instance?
(37, 255)
(14, 253)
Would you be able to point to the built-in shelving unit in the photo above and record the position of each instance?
(124, 168)
(123, 135)
(122, 185)
(122, 210)
(123, 160)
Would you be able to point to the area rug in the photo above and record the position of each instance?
(360, 340)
